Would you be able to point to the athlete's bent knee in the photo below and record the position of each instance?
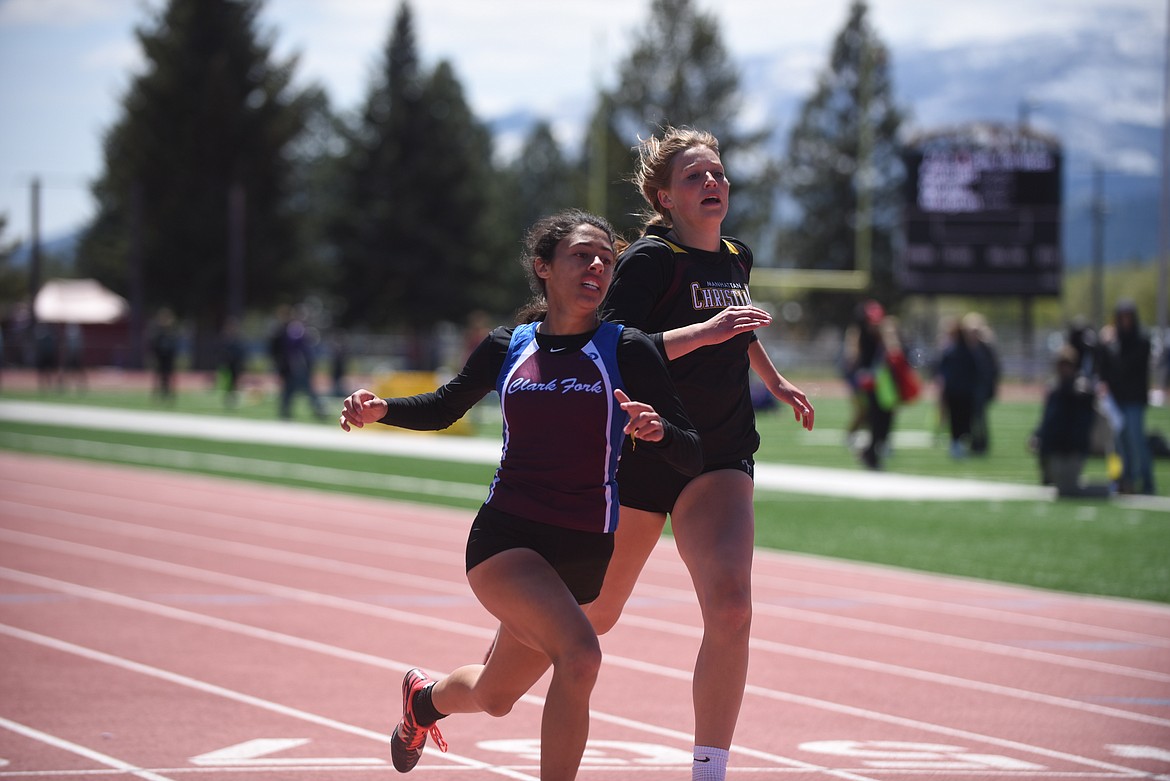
(729, 609)
(580, 664)
(496, 703)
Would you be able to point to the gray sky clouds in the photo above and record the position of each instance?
(65, 63)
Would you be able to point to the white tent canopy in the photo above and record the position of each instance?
(78, 301)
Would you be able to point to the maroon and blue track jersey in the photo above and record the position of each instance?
(562, 434)
(660, 285)
(559, 402)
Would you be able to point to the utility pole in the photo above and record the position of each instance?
(1027, 321)
(137, 275)
(34, 256)
(1098, 211)
(1163, 335)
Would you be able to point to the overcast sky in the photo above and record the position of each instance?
(64, 64)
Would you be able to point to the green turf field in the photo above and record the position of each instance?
(1096, 547)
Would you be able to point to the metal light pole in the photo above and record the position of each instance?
(1164, 210)
(34, 247)
(1097, 209)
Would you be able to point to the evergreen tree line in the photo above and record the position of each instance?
(227, 190)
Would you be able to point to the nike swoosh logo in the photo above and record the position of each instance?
(704, 759)
(557, 349)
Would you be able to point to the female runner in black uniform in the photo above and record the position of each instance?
(684, 280)
(539, 546)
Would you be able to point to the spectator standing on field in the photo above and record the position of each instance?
(232, 354)
(338, 362)
(868, 369)
(164, 349)
(987, 371)
(73, 362)
(293, 354)
(850, 354)
(959, 380)
(1125, 375)
(47, 356)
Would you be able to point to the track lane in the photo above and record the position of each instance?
(845, 655)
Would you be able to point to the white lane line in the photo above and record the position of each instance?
(870, 595)
(236, 466)
(763, 608)
(671, 566)
(887, 718)
(210, 495)
(462, 629)
(229, 519)
(885, 668)
(209, 427)
(919, 580)
(326, 649)
(230, 694)
(460, 588)
(978, 611)
(674, 568)
(259, 552)
(81, 751)
(211, 544)
(922, 582)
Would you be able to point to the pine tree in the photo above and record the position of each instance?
(470, 264)
(192, 211)
(843, 169)
(680, 73)
(417, 197)
(13, 281)
(541, 179)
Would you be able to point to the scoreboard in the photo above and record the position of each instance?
(982, 216)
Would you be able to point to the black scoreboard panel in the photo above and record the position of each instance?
(982, 221)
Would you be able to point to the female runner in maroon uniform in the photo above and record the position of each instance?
(539, 546)
(683, 279)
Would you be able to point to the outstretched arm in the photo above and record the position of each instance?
(779, 387)
(729, 322)
(438, 409)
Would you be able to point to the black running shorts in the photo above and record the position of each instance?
(652, 485)
(579, 557)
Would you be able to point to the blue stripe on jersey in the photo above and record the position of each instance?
(602, 348)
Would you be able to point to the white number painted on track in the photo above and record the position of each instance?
(256, 753)
(899, 755)
(598, 752)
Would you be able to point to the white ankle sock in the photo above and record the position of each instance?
(710, 764)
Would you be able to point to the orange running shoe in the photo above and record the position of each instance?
(406, 744)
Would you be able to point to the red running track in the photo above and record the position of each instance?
(158, 626)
